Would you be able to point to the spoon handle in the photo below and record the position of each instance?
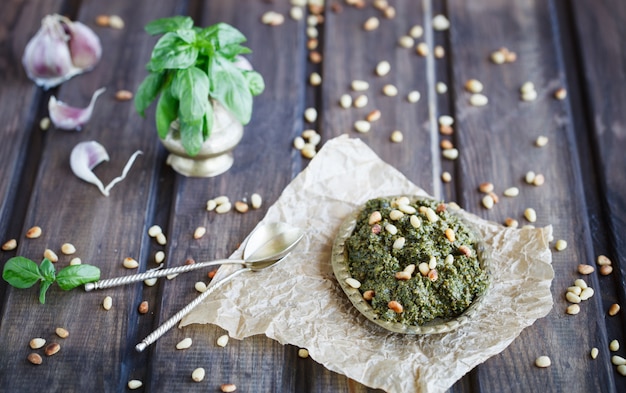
(113, 282)
(167, 325)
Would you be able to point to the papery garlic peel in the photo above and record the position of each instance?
(68, 117)
(87, 155)
(60, 50)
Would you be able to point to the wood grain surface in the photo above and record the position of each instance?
(559, 44)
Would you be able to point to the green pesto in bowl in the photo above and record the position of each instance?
(417, 264)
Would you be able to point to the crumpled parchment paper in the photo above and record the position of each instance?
(302, 304)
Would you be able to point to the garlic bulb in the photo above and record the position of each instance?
(68, 117)
(59, 50)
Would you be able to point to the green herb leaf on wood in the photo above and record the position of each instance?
(171, 24)
(21, 272)
(73, 276)
(255, 82)
(191, 87)
(223, 34)
(148, 90)
(191, 135)
(166, 113)
(172, 52)
(46, 268)
(230, 87)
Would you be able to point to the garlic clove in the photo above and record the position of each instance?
(84, 46)
(47, 58)
(84, 157)
(68, 117)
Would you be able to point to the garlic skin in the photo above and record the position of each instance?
(70, 118)
(60, 50)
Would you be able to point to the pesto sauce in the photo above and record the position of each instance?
(374, 262)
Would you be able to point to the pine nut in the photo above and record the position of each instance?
(432, 263)
(543, 361)
(315, 57)
(52, 349)
(439, 52)
(541, 141)
(134, 384)
(402, 276)
(198, 374)
(396, 136)
(184, 343)
(446, 120)
(450, 235)
(465, 250)
(303, 353)
(371, 24)
(586, 293)
(35, 358)
(360, 85)
(391, 229)
(485, 187)
(375, 217)
(572, 309)
(580, 283)
(449, 259)
(68, 249)
(210, 205)
(362, 126)
(614, 309)
(408, 209)
(390, 90)
(51, 255)
(618, 360)
(446, 144)
(422, 49)
(150, 282)
(34, 232)
(241, 207)
(354, 283)
(200, 286)
(399, 243)
(296, 13)
(498, 57)
(413, 96)
(143, 307)
(511, 222)
(441, 88)
(228, 387)
(199, 232)
(572, 298)
(272, 18)
(395, 215)
(310, 115)
(107, 303)
(527, 87)
(315, 79)
(61, 332)
(450, 154)
(308, 151)
(603, 260)
(473, 86)
(406, 41)
(440, 23)
(478, 100)
(222, 340)
(539, 180)
(433, 275)
(614, 346)
(373, 115)
(585, 269)
(130, 263)
(530, 214)
(159, 257)
(102, 20)
(560, 245)
(415, 222)
(423, 268)
(360, 101)
(368, 295)
(511, 192)
(529, 96)
(123, 95)
(395, 306)
(116, 22)
(37, 343)
(10, 245)
(383, 68)
(488, 201)
(223, 208)
(345, 101)
(75, 261)
(44, 123)
(416, 31)
(594, 352)
(606, 270)
(621, 369)
(576, 290)
(431, 215)
(446, 177)
(560, 94)
(161, 239)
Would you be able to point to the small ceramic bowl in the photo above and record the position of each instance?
(438, 325)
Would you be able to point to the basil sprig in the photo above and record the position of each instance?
(23, 273)
(188, 66)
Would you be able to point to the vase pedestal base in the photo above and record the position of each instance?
(201, 167)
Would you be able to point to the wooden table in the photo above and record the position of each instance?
(576, 45)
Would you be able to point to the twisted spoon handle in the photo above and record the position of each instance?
(167, 325)
(113, 282)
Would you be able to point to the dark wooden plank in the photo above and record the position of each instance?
(496, 144)
(104, 230)
(264, 163)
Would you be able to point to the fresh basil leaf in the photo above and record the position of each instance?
(208, 122)
(165, 25)
(255, 82)
(191, 136)
(191, 88)
(166, 112)
(148, 91)
(47, 270)
(222, 34)
(187, 35)
(21, 272)
(43, 288)
(171, 52)
(75, 275)
(230, 88)
(231, 51)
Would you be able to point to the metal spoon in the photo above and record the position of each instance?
(266, 245)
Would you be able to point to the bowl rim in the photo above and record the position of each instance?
(438, 325)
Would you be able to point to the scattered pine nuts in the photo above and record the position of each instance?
(530, 214)
(606, 270)
(413, 96)
(134, 384)
(450, 154)
(396, 136)
(511, 222)
(184, 343)
(560, 245)
(345, 101)
(9, 245)
(37, 343)
(614, 309)
(303, 353)
(150, 282)
(528, 91)
(161, 239)
(360, 101)
(35, 358)
(406, 41)
(75, 261)
(362, 126)
(310, 115)
(485, 187)
(159, 257)
(383, 68)
(474, 86)
(594, 352)
(618, 360)
(107, 303)
(395, 306)
(296, 13)
(61, 332)
(416, 31)
(199, 232)
(614, 346)
(360, 85)
(422, 49)
(439, 52)
(478, 100)
(498, 57)
(44, 123)
(543, 361)
(585, 269)
(446, 120)
(621, 369)
(130, 263)
(446, 177)
(256, 201)
(539, 180)
(222, 340)
(572, 297)
(560, 94)
(487, 202)
(154, 230)
(603, 260)
(315, 57)
(390, 90)
(241, 207)
(511, 192)
(51, 255)
(223, 208)
(68, 249)
(354, 283)
(441, 88)
(198, 374)
(373, 115)
(371, 24)
(572, 309)
(530, 177)
(272, 18)
(123, 95)
(102, 20)
(200, 286)
(34, 232)
(541, 141)
(143, 307)
(315, 79)
(116, 22)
